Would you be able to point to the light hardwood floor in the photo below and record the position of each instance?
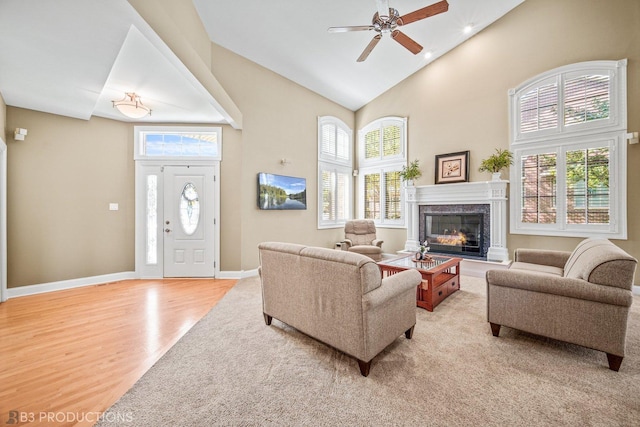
(69, 355)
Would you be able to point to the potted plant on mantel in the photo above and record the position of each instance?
(411, 172)
(496, 162)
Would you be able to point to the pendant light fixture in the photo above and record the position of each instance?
(131, 106)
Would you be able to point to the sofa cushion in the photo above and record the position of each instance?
(537, 267)
(600, 261)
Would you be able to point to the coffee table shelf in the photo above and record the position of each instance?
(440, 278)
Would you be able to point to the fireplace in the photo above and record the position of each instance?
(454, 233)
(462, 230)
(487, 198)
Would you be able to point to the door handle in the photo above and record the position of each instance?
(167, 230)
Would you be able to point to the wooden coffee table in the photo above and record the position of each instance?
(440, 277)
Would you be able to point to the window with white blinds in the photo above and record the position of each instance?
(569, 142)
(335, 172)
(383, 140)
(382, 153)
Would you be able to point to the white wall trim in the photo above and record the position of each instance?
(242, 274)
(41, 288)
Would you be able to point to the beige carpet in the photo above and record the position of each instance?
(231, 369)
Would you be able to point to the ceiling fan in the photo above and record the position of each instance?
(387, 20)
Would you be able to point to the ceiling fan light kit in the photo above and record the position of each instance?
(131, 106)
(387, 20)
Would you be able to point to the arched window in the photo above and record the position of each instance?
(568, 136)
(335, 171)
(382, 153)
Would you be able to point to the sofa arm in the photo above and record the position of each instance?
(391, 287)
(346, 244)
(542, 257)
(550, 284)
(377, 243)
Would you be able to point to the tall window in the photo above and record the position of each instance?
(335, 171)
(382, 153)
(569, 143)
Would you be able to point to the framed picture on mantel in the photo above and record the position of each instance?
(452, 167)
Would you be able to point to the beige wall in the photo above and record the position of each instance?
(61, 179)
(280, 121)
(459, 102)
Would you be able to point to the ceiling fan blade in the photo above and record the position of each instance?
(407, 42)
(350, 28)
(425, 12)
(367, 50)
(383, 7)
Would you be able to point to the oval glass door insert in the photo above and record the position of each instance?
(189, 209)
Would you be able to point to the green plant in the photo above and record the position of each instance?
(411, 172)
(496, 162)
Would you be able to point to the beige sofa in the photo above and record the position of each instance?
(337, 297)
(582, 297)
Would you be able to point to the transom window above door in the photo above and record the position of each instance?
(176, 142)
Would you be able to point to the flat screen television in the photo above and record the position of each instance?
(278, 192)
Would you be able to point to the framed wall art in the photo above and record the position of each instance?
(452, 167)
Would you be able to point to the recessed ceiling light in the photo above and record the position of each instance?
(467, 29)
(428, 54)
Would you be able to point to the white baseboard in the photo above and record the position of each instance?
(237, 274)
(41, 288)
(478, 268)
(22, 291)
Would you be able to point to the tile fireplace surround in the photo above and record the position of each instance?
(492, 193)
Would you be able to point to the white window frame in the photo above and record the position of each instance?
(139, 148)
(382, 165)
(335, 165)
(610, 132)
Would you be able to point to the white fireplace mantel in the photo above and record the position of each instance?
(493, 193)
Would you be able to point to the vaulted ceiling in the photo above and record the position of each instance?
(73, 57)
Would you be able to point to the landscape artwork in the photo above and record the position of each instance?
(281, 192)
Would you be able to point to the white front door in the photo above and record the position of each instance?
(188, 226)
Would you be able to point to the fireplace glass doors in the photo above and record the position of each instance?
(457, 233)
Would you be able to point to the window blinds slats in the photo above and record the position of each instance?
(372, 196)
(539, 109)
(586, 99)
(392, 208)
(588, 186)
(538, 191)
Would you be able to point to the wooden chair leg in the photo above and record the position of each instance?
(495, 329)
(267, 319)
(365, 367)
(409, 332)
(614, 361)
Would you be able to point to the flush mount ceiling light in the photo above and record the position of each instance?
(131, 106)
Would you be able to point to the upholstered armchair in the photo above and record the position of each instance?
(360, 237)
(581, 297)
